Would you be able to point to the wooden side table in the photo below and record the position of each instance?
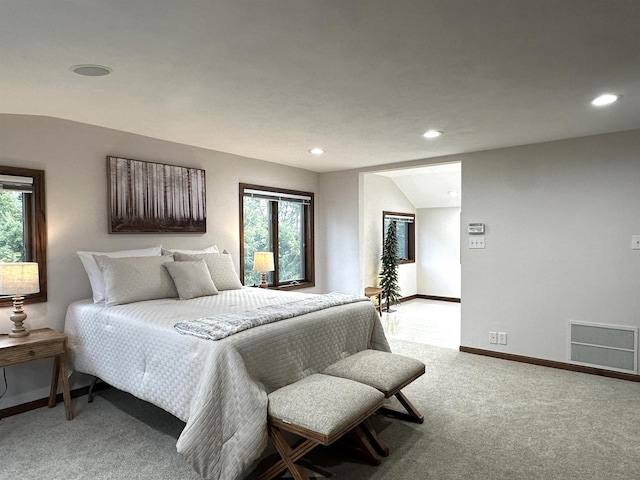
(375, 292)
(41, 343)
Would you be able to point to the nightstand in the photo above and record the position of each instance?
(41, 343)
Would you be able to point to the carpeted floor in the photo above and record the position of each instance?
(484, 419)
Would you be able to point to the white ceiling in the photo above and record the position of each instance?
(360, 78)
(430, 186)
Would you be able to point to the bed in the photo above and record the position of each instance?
(219, 388)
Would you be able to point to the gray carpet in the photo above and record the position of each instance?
(484, 419)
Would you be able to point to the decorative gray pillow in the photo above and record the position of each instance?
(192, 279)
(134, 279)
(220, 267)
(95, 274)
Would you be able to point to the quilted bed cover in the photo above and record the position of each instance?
(219, 388)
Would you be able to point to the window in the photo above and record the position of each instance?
(23, 231)
(406, 233)
(278, 221)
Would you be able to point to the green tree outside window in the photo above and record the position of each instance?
(12, 247)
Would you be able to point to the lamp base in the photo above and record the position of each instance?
(18, 317)
(263, 280)
(14, 333)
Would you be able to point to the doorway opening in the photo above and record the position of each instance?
(433, 194)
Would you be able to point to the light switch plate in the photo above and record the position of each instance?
(635, 242)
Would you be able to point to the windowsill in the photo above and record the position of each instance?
(286, 287)
(402, 262)
(295, 286)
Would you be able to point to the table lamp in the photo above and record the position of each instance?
(18, 279)
(263, 263)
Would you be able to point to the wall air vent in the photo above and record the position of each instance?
(604, 346)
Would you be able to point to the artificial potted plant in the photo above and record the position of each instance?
(389, 272)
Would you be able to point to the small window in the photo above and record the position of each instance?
(278, 221)
(23, 236)
(405, 231)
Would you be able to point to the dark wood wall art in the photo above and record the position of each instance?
(153, 197)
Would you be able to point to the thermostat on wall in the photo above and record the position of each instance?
(475, 228)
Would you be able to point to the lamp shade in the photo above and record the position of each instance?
(20, 278)
(263, 262)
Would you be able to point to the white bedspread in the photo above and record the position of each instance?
(219, 388)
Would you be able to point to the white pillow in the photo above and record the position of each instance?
(220, 267)
(192, 279)
(135, 279)
(170, 251)
(95, 274)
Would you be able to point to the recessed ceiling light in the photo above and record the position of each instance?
(316, 151)
(91, 70)
(432, 134)
(606, 99)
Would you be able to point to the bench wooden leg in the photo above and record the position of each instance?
(374, 439)
(364, 436)
(300, 451)
(289, 456)
(412, 415)
(362, 441)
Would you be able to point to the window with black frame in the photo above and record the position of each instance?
(405, 232)
(278, 221)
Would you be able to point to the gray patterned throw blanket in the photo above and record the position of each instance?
(217, 327)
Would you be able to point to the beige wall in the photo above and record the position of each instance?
(73, 156)
(559, 219)
(338, 256)
(438, 244)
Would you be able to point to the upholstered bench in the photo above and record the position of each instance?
(387, 372)
(321, 409)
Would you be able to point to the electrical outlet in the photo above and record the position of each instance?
(476, 241)
(493, 337)
(502, 338)
(635, 242)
